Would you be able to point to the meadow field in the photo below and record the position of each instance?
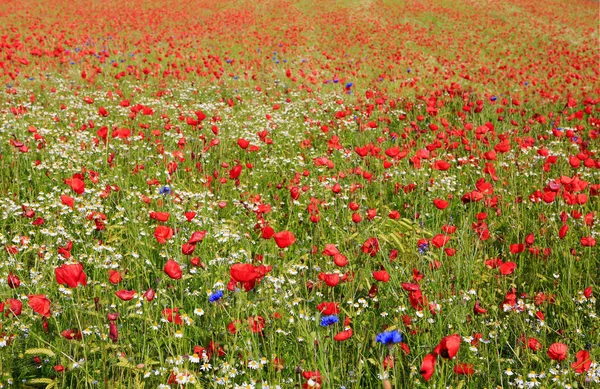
(298, 194)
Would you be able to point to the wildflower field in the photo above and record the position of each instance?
(297, 194)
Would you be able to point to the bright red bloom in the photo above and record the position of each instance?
(440, 204)
(40, 304)
(448, 347)
(588, 241)
(534, 345)
(507, 268)
(163, 233)
(257, 323)
(558, 351)
(343, 335)
(114, 276)
(173, 269)
(330, 250)
(478, 310)
(340, 260)
(284, 239)
(149, 294)
(428, 366)
(371, 247)
(14, 307)
(160, 216)
(13, 281)
(71, 334)
(243, 272)
(67, 200)
(76, 184)
(583, 362)
(331, 279)
(464, 369)
(381, 275)
(125, 295)
(70, 275)
(235, 172)
(440, 240)
(328, 308)
(517, 248)
(196, 237)
(172, 315)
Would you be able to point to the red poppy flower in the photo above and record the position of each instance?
(440, 240)
(243, 143)
(163, 233)
(507, 268)
(478, 310)
(464, 369)
(172, 315)
(160, 216)
(67, 200)
(257, 323)
(370, 246)
(125, 295)
(173, 270)
(517, 248)
(381, 275)
(428, 366)
(196, 237)
(40, 304)
(149, 294)
(235, 172)
(340, 260)
(441, 165)
(563, 231)
(243, 272)
(558, 351)
(331, 279)
(534, 345)
(71, 334)
(114, 276)
(330, 250)
(343, 335)
(76, 184)
(284, 239)
(232, 328)
(113, 332)
(14, 307)
(328, 308)
(70, 275)
(440, 204)
(188, 249)
(13, 281)
(588, 241)
(583, 362)
(410, 287)
(417, 300)
(448, 347)
(267, 232)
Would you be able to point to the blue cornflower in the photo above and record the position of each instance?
(389, 337)
(493, 98)
(165, 190)
(329, 320)
(423, 247)
(349, 85)
(215, 296)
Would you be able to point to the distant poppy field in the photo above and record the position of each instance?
(296, 194)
